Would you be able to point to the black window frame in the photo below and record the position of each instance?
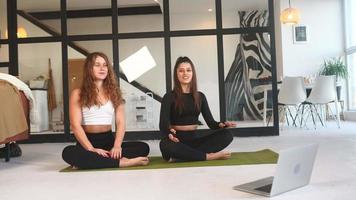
(166, 34)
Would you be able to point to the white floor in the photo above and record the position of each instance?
(35, 175)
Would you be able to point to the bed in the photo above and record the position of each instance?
(14, 115)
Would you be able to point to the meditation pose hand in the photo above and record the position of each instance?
(172, 135)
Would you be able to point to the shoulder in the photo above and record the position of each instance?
(201, 94)
(168, 96)
(75, 94)
(76, 91)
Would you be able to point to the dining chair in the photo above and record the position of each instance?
(291, 94)
(322, 94)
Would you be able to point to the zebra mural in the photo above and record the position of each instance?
(250, 70)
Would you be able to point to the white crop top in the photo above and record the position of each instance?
(98, 115)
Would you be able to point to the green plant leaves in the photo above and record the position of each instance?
(334, 66)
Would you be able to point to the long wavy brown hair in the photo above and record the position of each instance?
(89, 91)
(177, 88)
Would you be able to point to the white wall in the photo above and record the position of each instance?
(278, 39)
(324, 22)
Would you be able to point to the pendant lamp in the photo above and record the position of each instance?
(290, 15)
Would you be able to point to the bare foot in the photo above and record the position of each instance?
(130, 162)
(124, 158)
(172, 160)
(221, 155)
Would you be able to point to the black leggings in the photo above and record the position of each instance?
(76, 155)
(191, 147)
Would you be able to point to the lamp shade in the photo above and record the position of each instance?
(290, 16)
(21, 33)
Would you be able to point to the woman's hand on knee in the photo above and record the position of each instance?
(115, 152)
(101, 152)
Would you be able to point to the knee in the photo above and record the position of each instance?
(68, 153)
(227, 136)
(168, 146)
(145, 148)
(141, 148)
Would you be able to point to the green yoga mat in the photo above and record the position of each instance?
(265, 156)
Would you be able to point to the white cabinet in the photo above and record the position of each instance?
(140, 111)
(41, 105)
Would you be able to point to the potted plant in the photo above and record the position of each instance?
(335, 66)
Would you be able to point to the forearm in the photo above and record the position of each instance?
(214, 124)
(119, 137)
(164, 128)
(165, 114)
(208, 117)
(81, 137)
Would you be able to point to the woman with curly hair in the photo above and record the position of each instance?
(91, 109)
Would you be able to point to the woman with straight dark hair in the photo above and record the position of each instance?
(180, 110)
(92, 109)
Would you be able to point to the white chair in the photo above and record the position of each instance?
(323, 93)
(264, 89)
(291, 94)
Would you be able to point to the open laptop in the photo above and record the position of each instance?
(293, 170)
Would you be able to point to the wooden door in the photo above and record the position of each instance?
(75, 73)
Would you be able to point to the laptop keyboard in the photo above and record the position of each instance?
(265, 188)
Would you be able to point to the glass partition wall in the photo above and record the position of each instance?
(231, 43)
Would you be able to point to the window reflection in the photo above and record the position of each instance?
(4, 53)
(87, 19)
(3, 19)
(188, 15)
(33, 18)
(40, 65)
(136, 16)
(143, 96)
(4, 70)
(205, 66)
(248, 78)
(231, 9)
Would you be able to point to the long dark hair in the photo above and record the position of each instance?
(88, 91)
(177, 88)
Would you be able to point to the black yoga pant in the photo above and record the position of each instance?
(76, 155)
(191, 147)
